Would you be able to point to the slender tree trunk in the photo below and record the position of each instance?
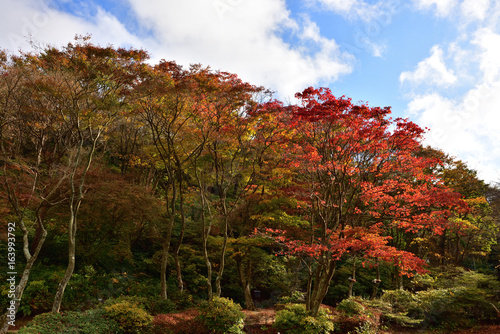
(180, 283)
(245, 274)
(376, 282)
(9, 317)
(399, 280)
(206, 227)
(222, 256)
(444, 244)
(352, 279)
(71, 265)
(164, 261)
(206, 232)
(309, 285)
(74, 205)
(178, 271)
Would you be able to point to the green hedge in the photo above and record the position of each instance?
(295, 319)
(222, 315)
(89, 322)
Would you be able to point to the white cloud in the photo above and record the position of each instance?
(442, 8)
(31, 19)
(431, 70)
(350, 8)
(489, 56)
(475, 9)
(467, 126)
(359, 9)
(244, 37)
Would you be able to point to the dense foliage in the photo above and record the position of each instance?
(140, 190)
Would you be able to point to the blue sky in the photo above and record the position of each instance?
(434, 61)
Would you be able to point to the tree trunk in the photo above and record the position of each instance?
(222, 256)
(74, 206)
(321, 285)
(376, 282)
(309, 285)
(352, 279)
(9, 317)
(206, 233)
(180, 283)
(164, 259)
(71, 265)
(245, 274)
(444, 244)
(206, 227)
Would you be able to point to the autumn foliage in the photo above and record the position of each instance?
(356, 173)
(196, 179)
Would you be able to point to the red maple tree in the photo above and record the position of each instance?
(356, 174)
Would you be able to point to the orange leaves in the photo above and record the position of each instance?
(357, 167)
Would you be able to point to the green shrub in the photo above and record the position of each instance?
(463, 301)
(139, 301)
(350, 307)
(222, 315)
(400, 300)
(45, 323)
(400, 319)
(456, 307)
(183, 300)
(89, 322)
(160, 306)
(294, 298)
(295, 319)
(366, 328)
(36, 298)
(152, 305)
(132, 318)
(357, 315)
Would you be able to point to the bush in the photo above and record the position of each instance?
(141, 302)
(132, 318)
(89, 322)
(400, 300)
(294, 298)
(463, 301)
(366, 328)
(160, 306)
(36, 298)
(350, 307)
(456, 307)
(152, 305)
(222, 315)
(359, 316)
(295, 319)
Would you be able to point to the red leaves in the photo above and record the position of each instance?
(357, 168)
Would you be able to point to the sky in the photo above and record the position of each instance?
(436, 62)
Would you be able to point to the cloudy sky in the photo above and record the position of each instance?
(434, 61)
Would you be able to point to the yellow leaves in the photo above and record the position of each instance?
(476, 201)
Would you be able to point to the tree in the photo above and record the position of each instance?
(469, 233)
(166, 104)
(87, 86)
(32, 178)
(357, 174)
(226, 166)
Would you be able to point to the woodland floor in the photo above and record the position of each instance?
(261, 321)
